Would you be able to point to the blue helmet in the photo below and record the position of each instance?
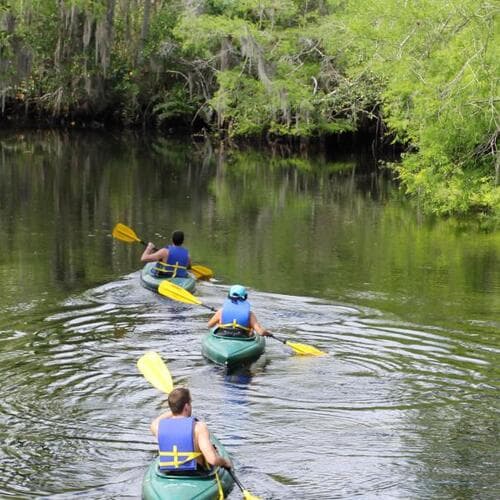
(237, 292)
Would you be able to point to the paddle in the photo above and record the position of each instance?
(127, 234)
(201, 272)
(155, 371)
(246, 494)
(302, 349)
(175, 292)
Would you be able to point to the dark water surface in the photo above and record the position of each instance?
(404, 405)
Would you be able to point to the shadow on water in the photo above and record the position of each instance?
(242, 375)
(404, 404)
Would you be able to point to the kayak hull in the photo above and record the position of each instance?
(159, 486)
(232, 351)
(152, 282)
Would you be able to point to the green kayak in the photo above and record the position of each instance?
(158, 485)
(152, 282)
(232, 351)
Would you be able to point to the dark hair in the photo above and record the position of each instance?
(177, 399)
(178, 237)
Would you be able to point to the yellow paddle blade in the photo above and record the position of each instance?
(124, 233)
(248, 496)
(175, 292)
(155, 371)
(201, 272)
(304, 350)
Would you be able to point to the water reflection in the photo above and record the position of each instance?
(404, 404)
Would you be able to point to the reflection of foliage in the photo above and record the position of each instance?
(66, 188)
(305, 165)
(256, 217)
(258, 176)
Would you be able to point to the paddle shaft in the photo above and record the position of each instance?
(145, 244)
(236, 480)
(276, 338)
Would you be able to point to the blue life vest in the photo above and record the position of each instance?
(176, 444)
(235, 315)
(176, 265)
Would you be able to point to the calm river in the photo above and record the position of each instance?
(404, 405)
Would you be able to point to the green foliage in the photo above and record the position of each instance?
(440, 64)
(242, 104)
(264, 13)
(175, 105)
(202, 35)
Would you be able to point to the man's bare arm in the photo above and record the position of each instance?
(207, 448)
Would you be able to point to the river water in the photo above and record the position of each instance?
(404, 405)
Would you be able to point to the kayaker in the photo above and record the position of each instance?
(172, 260)
(235, 317)
(183, 441)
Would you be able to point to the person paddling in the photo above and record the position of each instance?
(183, 441)
(172, 261)
(235, 319)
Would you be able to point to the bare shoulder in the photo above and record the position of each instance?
(201, 426)
(201, 430)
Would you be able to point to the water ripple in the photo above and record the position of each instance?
(75, 407)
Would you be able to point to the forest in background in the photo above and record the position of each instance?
(422, 73)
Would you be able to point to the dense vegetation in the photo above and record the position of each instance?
(424, 72)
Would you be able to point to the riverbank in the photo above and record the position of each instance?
(301, 71)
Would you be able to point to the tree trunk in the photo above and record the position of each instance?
(144, 30)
